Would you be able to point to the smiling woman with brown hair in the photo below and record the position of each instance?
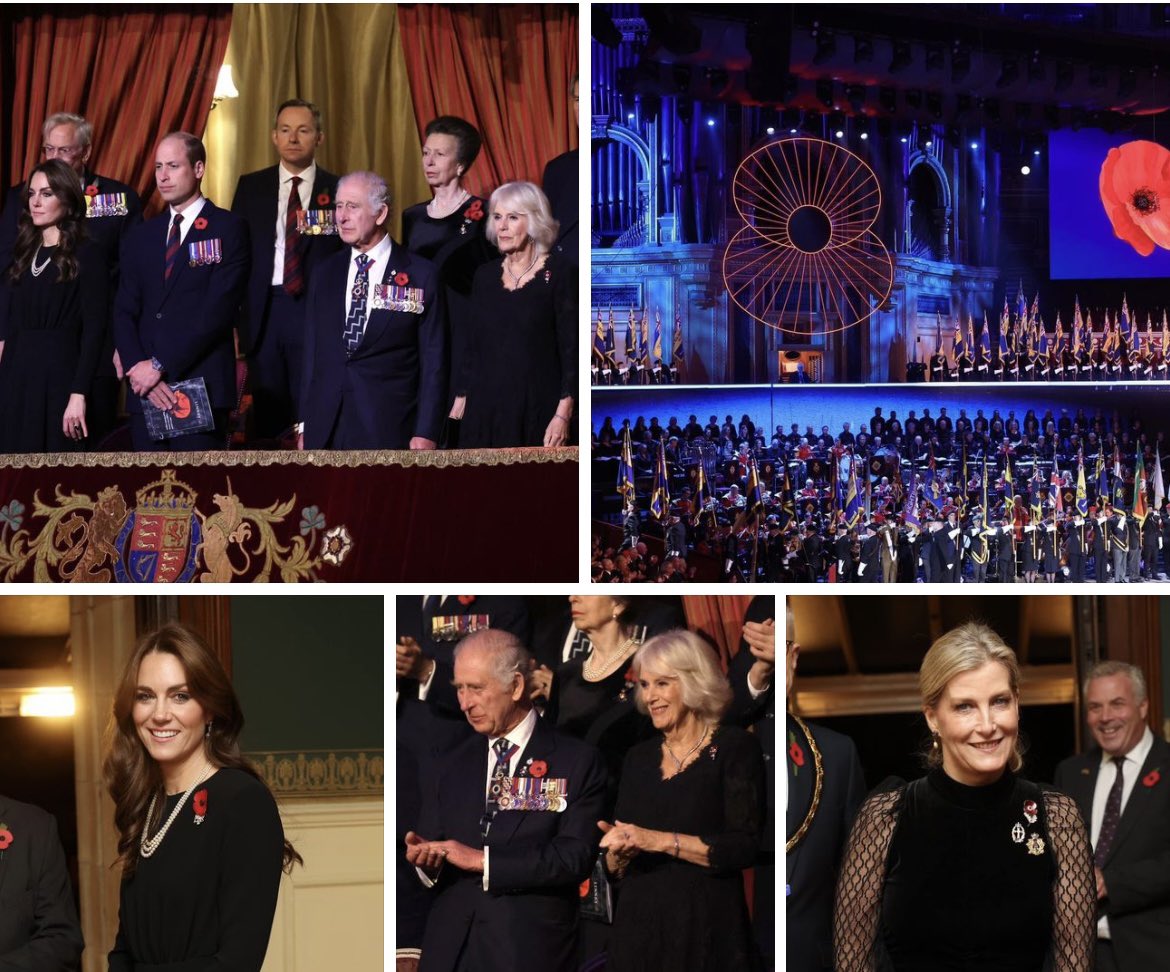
(199, 835)
(970, 867)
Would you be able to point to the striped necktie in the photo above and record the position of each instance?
(294, 280)
(355, 321)
(173, 244)
(504, 751)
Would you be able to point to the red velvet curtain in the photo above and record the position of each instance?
(135, 72)
(505, 68)
(720, 618)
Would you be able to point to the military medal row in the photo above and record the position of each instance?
(530, 793)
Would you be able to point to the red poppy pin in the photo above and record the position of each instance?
(583, 890)
(91, 191)
(200, 223)
(538, 769)
(402, 279)
(5, 837)
(795, 753)
(1151, 778)
(199, 802)
(475, 210)
(323, 199)
(464, 599)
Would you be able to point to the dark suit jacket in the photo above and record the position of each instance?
(395, 384)
(812, 864)
(560, 184)
(186, 322)
(256, 202)
(536, 861)
(1137, 871)
(39, 931)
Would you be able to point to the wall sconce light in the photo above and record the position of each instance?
(225, 87)
(49, 702)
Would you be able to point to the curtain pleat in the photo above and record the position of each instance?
(720, 618)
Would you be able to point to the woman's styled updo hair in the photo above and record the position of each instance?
(964, 649)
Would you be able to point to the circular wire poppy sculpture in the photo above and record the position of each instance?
(807, 260)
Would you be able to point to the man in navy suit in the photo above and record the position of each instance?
(510, 831)
(1122, 787)
(39, 931)
(289, 211)
(183, 279)
(376, 351)
(112, 210)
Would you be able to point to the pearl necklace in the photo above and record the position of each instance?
(37, 271)
(433, 207)
(147, 847)
(595, 674)
(687, 755)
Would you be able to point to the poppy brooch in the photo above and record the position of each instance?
(1151, 778)
(323, 199)
(199, 802)
(6, 837)
(401, 279)
(795, 753)
(91, 191)
(200, 223)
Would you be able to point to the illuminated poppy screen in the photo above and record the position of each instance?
(1087, 214)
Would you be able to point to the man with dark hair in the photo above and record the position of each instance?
(1125, 802)
(182, 282)
(112, 210)
(505, 874)
(376, 350)
(289, 211)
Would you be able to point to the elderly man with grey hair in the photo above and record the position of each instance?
(1122, 787)
(510, 830)
(376, 348)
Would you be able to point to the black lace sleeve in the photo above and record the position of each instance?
(1074, 894)
(859, 888)
(737, 843)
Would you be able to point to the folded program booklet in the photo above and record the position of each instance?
(191, 411)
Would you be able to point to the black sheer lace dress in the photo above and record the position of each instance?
(942, 877)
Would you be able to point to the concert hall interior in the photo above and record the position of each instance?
(871, 202)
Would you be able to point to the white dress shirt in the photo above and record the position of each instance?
(190, 214)
(380, 255)
(305, 191)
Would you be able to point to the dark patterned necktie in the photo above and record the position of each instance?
(173, 243)
(355, 322)
(1112, 816)
(294, 280)
(504, 751)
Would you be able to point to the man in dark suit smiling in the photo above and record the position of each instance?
(510, 830)
(376, 348)
(38, 922)
(1122, 787)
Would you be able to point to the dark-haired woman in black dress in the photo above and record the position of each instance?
(54, 321)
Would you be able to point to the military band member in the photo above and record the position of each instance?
(869, 568)
(965, 366)
(978, 548)
(843, 553)
(1049, 544)
(1078, 542)
(1005, 552)
(1118, 527)
(940, 369)
(813, 553)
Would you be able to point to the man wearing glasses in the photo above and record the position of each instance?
(112, 209)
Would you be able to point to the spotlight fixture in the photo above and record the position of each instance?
(710, 122)
(975, 146)
(1025, 170)
(770, 130)
(863, 136)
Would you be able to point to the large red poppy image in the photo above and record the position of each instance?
(1135, 191)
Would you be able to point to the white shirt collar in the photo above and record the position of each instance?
(376, 253)
(1135, 759)
(192, 210)
(308, 176)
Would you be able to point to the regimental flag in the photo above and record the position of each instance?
(610, 343)
(959, 346)
(1112, 337)
(986, 510)
(1058, 337)
(1118, 478)
(1136, 344)
(677, 358)
(1008, 486)
(1034, 313)
(910, 505)
(1102, 478)
(702, 496)
(1159, 486)
(1082, 492)
(625, 478)
(1054, 492)
(1035, 501)
(788, 500)
(657, 352)
(1043, 349)
(852, 500)
(938, 333)
(631, 340)
(1004, 327)
(1089, 328)
(970, 335)
(1123, 323)
(985, 340)
(867, 507)
(599, 340)
(755, 495)
(660, 497)
(1165, 335)
(1141, 508)
(1021, 302)
(1078, 327)
(644, 341)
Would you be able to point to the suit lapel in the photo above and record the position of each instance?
(1142, 797)
(543, 746)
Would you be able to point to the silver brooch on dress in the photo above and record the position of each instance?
(1018, 833)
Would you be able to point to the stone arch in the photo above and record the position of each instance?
(928, 208)
(647, 184)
